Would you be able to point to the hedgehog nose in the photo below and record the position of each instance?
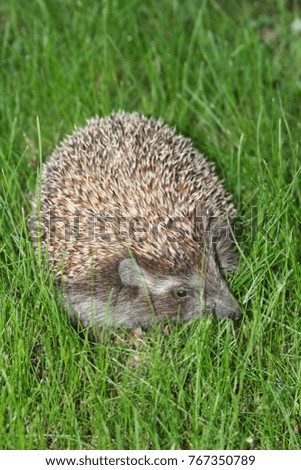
(228, 309)
(233, 313)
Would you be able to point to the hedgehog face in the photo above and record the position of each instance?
(156, 295)
(138, 295)
(184, 294)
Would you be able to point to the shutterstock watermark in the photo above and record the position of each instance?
(107, 227)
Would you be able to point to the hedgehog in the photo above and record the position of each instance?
(136, 225)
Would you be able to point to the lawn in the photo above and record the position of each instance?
(226, 74)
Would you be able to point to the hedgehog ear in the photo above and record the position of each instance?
(129, 273)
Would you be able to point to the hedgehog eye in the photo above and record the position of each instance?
(181, 293)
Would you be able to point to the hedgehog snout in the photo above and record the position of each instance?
(227, 308)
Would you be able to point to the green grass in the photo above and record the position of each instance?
(227, 74)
